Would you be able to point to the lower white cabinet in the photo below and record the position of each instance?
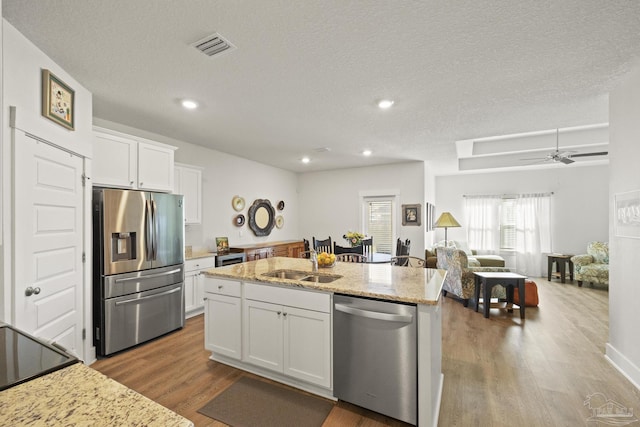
(194, 284)
(276, 329)
(288, 338)
(223, 317)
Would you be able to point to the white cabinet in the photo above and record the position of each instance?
(125, 161)
(194, 284)
(223, 317)
(114, 161)
(293, 337)
(188, 182)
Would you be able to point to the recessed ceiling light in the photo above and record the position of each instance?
(367, 152)
(385, 103)
(189, 104)
(306, 160)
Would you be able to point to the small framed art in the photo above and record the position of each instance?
(627, 214)
(411, 215)
(58, 100)
(222, 245)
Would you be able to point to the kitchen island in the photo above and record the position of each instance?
(81, 396)
(273, 317)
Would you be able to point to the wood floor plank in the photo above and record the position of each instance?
(500, 371)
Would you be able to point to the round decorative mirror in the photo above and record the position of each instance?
(261, 217)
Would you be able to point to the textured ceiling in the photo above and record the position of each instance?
(308, 74)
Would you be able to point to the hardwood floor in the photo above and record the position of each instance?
(497, 371)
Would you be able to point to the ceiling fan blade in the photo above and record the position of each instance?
(600, 153)
(565, 160)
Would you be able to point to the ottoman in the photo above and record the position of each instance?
(530, 292)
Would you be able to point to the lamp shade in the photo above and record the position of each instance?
(446, 220)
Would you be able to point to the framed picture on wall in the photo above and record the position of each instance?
(627, 214)
(411, 215)
(58, 100)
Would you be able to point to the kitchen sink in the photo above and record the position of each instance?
(302, 275)
(321, 278)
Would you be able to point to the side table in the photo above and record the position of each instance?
(561, 262)
(487, 280)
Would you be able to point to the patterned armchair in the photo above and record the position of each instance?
(592, 267)
(460, 280)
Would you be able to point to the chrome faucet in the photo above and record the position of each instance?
(314, 260)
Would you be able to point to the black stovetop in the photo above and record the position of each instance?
(23, 358)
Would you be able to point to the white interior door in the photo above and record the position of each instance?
(48, 269)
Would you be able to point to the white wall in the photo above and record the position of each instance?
(223, 177)
(623, 348)
(330, 200)
(579, 207)
(22, 62)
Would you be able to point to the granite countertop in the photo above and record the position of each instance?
(382, 281)
(81, 396)
(199, 254)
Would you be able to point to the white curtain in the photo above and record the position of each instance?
(482, 220)
(533, 232)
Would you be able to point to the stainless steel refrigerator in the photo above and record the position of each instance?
(138, 267)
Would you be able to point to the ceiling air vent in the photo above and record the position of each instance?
(213, 45)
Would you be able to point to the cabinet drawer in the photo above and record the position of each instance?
(222, 286)
(308, 300)
(200, 263)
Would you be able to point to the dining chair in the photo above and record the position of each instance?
(408, 261)
(403, 248)
(351, 257)
(307, 248)
(337, 249)
(322, 245)
(367, 247)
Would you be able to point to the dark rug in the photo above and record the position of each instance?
(252, 403)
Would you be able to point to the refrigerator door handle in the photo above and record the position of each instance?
(148, 276)
(148, 224)
(142, 299)
(155, 229)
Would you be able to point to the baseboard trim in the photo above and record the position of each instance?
(627, 368)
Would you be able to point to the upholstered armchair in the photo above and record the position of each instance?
(460, 280)
(592, 267)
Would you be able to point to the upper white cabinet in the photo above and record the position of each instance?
(125, 161)
(188, 182)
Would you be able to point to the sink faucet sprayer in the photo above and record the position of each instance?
(314, 260)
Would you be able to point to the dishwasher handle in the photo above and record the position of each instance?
(405, 318)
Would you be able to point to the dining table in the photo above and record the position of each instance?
(379, 258)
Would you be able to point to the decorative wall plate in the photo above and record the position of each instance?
(239, 220)
(279, 221)
(281, 205)
(238, 203)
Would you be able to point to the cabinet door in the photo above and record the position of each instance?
(307, 345)
(222, 327)
(295, 249)
(155, 167)
(189, 286)
(191, 188)
(198, 290)
(114, 161)
(262, 334)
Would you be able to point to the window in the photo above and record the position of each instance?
(508, 224)
(379, 220)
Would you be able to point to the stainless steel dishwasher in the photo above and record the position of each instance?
(375, 356)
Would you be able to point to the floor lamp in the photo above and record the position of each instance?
(445, 221)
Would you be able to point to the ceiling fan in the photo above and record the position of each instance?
(565, 157)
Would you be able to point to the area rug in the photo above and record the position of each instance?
(251, 403)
